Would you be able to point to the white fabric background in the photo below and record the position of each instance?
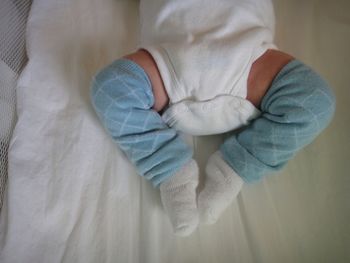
(73, 197)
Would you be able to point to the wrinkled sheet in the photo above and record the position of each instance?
(72, 196)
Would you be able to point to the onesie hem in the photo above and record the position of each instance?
(239, 89)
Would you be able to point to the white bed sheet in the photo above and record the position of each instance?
(73, 197)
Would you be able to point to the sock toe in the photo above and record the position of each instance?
(221, 187)
(187, 227)
(206, 215)
(178, 195)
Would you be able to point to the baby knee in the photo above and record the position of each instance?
(328, 105)
(300, 96)
(123, 84)
(320, 103)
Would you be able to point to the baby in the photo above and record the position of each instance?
(208, 67)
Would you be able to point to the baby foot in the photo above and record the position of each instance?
(178, 195)
(222, 185)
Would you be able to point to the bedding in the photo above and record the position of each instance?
(72, 196)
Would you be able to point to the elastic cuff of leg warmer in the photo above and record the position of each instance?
(249, 168)
(237, 163)
(186, 174)
(157, 180)
(130, 66)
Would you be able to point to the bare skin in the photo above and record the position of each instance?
(261, 75)
(146, 61)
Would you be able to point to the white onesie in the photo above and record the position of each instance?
(204, 50)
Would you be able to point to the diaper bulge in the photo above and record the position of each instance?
(218, 115)
(204, 51)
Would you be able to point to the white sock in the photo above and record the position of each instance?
(222, 185)
(178, 195)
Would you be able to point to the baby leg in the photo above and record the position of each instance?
(122, 97)
(297, 107)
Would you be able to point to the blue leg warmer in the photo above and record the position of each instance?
(122, 97)
(296, 108)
